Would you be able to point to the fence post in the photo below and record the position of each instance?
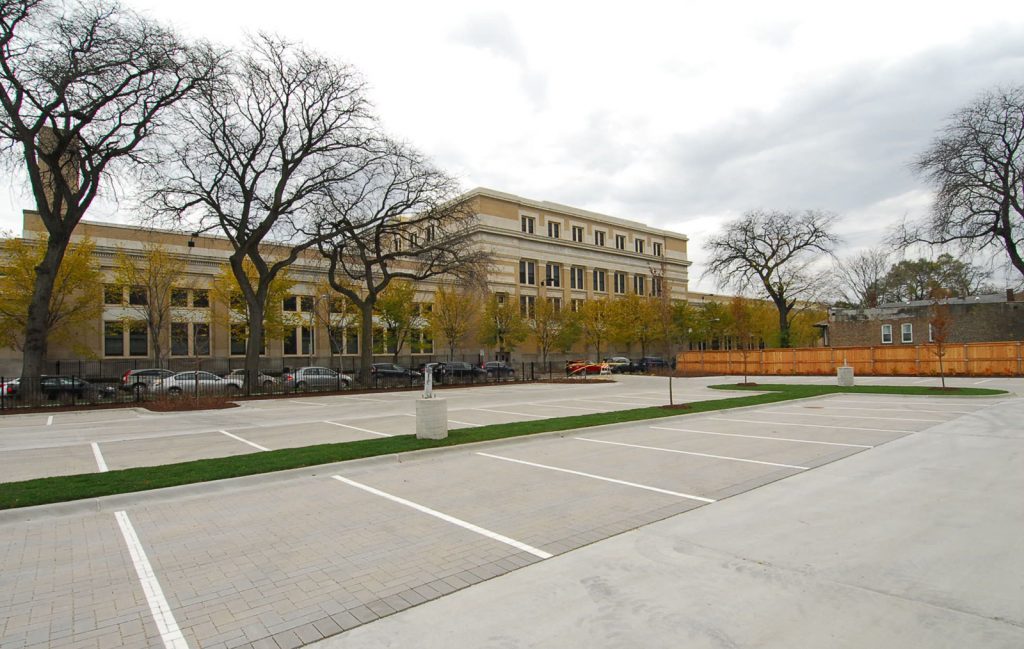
(967, 362)
(1020, 360)
(917, 360)
(872, 350)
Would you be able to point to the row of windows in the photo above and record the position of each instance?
(131, 339)
(528, 224)
(528, 305)
(906, 333)
(553, 279)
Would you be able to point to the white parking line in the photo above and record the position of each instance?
(953, 412)
(364, 430)
(506, 412)
(464, 423)
(982, 381)
(781, 439)
(100, 462)
(49, 420)
(368, 399)
(914, 399)
(672, 450)
(614, 403)
(811, 414)
(779, 423)
(308, 403)
(548, 405)
(158, 606)
(449, 519)
(244, 441)
(599, 477)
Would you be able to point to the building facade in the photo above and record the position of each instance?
(985, 318)
(539, 250)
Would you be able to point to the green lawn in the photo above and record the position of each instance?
(93, 485)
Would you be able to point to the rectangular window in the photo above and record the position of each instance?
(554, 229)
(620, 283)
(351, 342)
(886, 334)
(201, 339)
(291, 303)
(138, 339)
(556, 304)
(638, 245)
(577, 234)
(137, 296)
(200, 298)
(577, 305)
(179, 297)
(553, 275)
(656, 286)
(113, 295)
(500, 298)
(576, 278)
(179, 339)
(527, 272)
(307, 341)
(527, 223)
(113, 338)
(291, 342)
(306, 303)
(599, 279)
(907, 333)
(638, 284)
(527, 306)
(598, 238)
(656, 249)
(620, 241)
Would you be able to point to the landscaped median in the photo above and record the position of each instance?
(57, 489)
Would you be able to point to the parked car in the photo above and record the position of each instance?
(621, 365)
(315, 378)
(140, 381)
(198, 383)
(459, 369)
(264, 381)
(576, 368)
(651, 363)
(499, 369)
(61, 387)
(392, 371)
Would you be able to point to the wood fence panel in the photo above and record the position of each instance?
(977, 359)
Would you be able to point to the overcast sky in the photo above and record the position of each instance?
(680, 115)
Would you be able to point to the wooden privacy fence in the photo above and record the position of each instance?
(970, 359)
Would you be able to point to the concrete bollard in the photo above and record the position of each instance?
(431, 418)
(845, 376)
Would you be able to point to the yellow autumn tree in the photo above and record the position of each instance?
(455, 313)
(76, 302)
(155, 272)
(226, 291)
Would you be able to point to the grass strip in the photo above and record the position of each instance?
(44, 491)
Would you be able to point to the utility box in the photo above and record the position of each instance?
(431, 418)
(845, 376)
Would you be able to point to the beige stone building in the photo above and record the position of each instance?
(540, 250)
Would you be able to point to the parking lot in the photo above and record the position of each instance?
(39, 445)
(283, 560)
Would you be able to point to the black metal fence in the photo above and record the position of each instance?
(85, 383)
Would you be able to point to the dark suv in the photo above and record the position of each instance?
(461, 370)
(652, 363)
(498, 369)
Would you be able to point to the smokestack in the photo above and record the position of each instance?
(48, 142)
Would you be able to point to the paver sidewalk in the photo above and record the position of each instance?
(919, 543)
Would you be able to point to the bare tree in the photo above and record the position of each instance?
(940, 325)
(400, 217)
(258, 152)
(977, 167)
(83, 85)
(777, 250)
(859, 277)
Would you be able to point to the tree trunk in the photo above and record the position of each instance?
(34, 356)
(783, 325)
(366, 351)
(254, 345)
